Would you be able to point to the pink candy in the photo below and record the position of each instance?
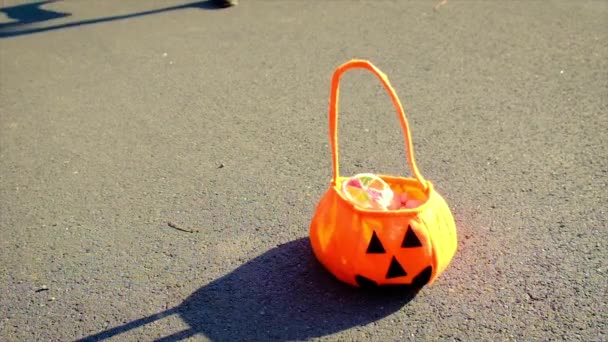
(395, 204)
(400, 201)
(412, 204)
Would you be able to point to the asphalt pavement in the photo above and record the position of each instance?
(118, 117)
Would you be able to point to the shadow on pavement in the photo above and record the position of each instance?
(283, 294)
(27, 15)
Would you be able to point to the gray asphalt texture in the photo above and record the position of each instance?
(125, 115)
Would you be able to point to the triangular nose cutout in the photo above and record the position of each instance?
(395, 270)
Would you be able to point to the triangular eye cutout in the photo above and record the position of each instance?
(395, 270)
(375, 246)
(410, 239)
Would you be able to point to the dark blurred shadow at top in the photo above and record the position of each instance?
(31, 14)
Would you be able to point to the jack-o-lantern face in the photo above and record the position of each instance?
(399, 260)
(375, 249)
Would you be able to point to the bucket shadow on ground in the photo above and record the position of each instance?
(283, 294)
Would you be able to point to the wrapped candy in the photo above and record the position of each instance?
(368, 191)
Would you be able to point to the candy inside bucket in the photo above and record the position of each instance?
(369, 191)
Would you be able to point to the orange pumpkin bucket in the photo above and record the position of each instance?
(372, 248)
